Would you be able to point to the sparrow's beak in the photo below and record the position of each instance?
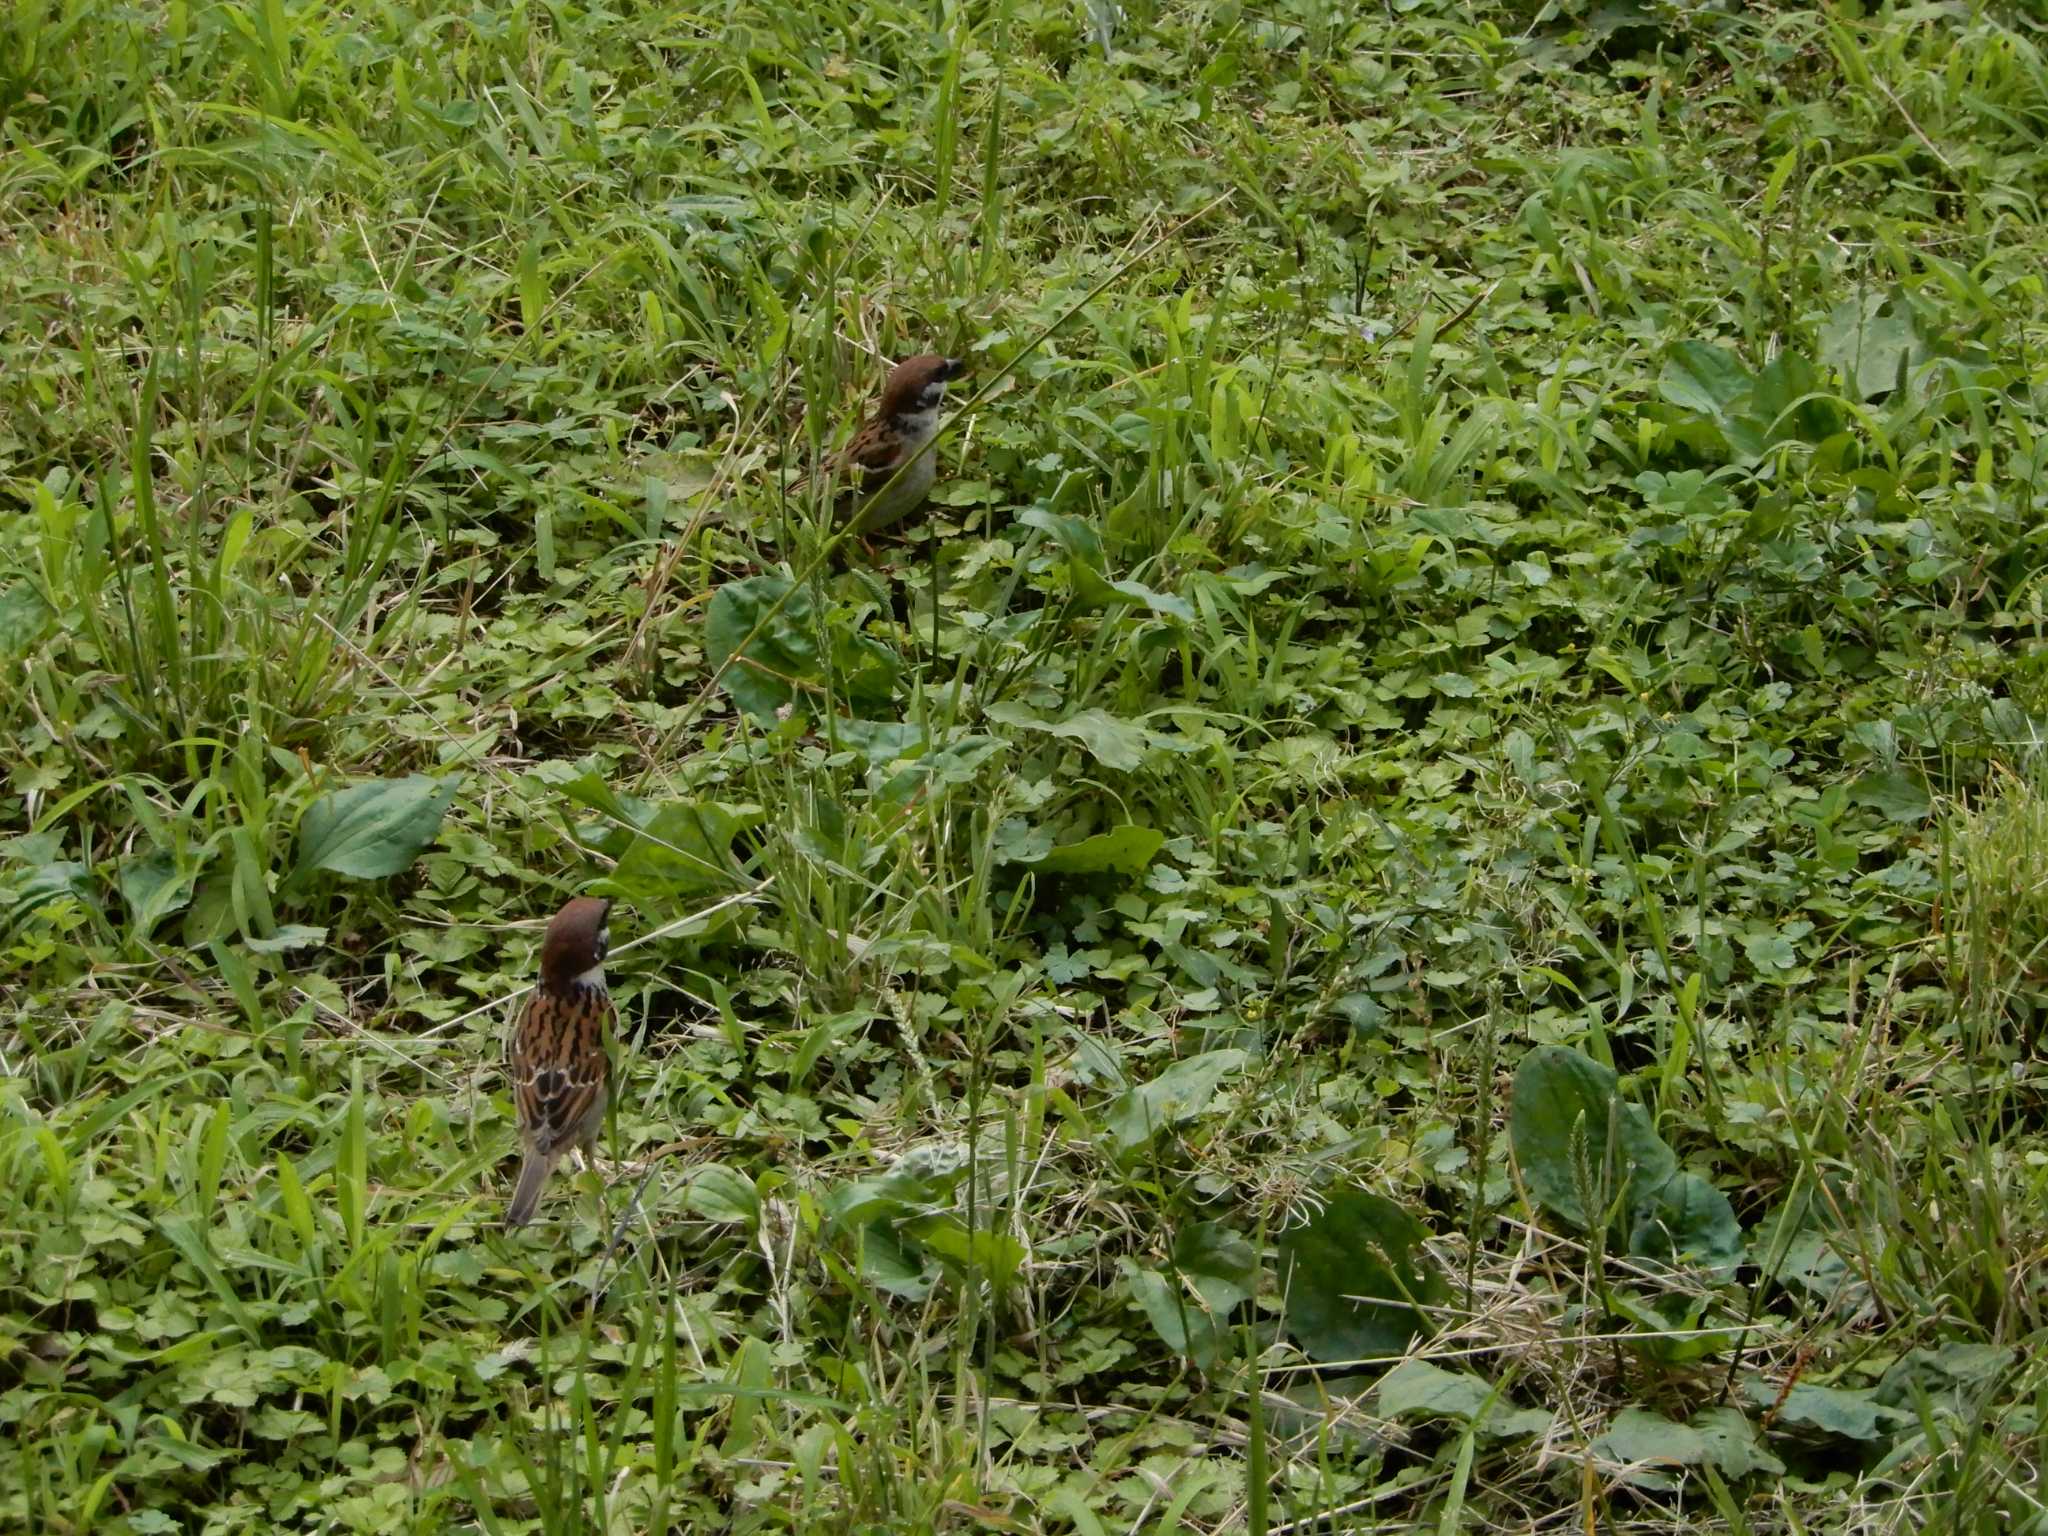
(953, 367)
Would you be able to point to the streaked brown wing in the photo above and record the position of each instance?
(869, 461)
(557, 1064)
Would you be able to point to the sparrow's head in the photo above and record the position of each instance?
(917, 384)
(573, 951)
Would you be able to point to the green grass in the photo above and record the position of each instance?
(1484, 528)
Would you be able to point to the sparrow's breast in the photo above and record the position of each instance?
(902, 496)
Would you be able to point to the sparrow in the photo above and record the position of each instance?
(555, 1052)
(874, 496)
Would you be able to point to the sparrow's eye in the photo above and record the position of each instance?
(604, 942)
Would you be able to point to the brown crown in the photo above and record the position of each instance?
(908, 378)
(575, 941)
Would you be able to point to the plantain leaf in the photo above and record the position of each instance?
(1355, 1279)
(374, 830)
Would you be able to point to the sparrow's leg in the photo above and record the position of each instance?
(587, 1159)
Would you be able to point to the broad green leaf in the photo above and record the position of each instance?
(1746, 437)
(1076, 535)
(1155, 1293)
(1018, 841)
(1867, 338)
(1103, 16)
(858, 1202)
(211, 915)
(288, 937)
(1646, 1448)
(1770, 951)
(1126, 849)
(921, 1178)
(686, 851)
(1673, 1326)
(719, 1193)
(1415, 1389)
(1898, 796)
(880, 741)
(1791, 402)
(1699, 376)
(1564, 1103)
(995, 1254)
(23, 618)
(1848, 1413)
(374, 830)
(31, 848)
(1221, 1264)
(898, 1267)
(928, 1171)
(1159, 602)
(620, 814)
(786, 662)
(25, 889)
(752, 1370)
(763, 670)
(1092, 589)
(154, 887)
(1362, 1011)
(1183, 1323)
(1812, 1262)
(1356, 1279)
(1953, 1372)
(1181, 1092)
(959, 761)
(1113, 741)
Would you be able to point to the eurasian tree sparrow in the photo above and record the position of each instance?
(898, 436)
(555, 1052)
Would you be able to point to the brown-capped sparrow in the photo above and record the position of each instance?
(873, 495)
(555, 1052)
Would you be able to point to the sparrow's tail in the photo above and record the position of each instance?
(533, 1173)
